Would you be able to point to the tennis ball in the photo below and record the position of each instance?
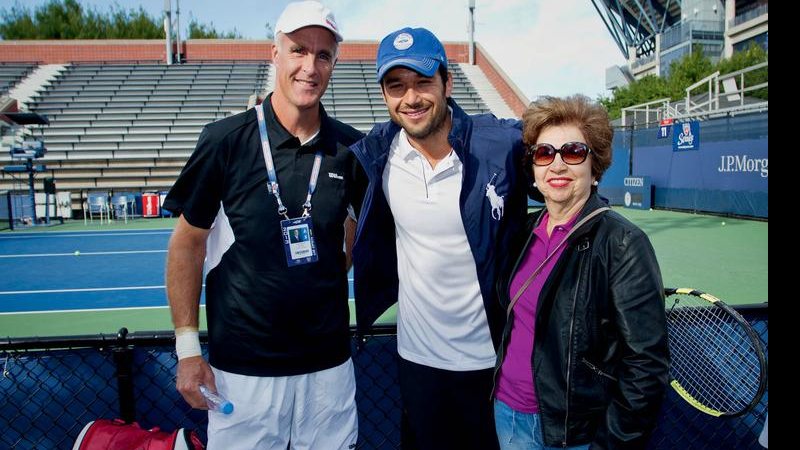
(723, 223)
(77, 253)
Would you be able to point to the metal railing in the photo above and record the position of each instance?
(692, 29)
(645, 113)
(713, 96)
(750, 14)
(644, 60)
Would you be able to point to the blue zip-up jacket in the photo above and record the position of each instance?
(491, 151)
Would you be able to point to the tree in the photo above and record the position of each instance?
(683, 73)
(686, 71)
(17, 24)
(640, 91)
(133, 25)
(68, 19)
(199, 30)
(752, 55)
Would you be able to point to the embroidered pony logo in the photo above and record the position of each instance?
(495, 200)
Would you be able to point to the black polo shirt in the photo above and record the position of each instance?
(264, 317)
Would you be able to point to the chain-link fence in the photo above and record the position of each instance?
(51, 387)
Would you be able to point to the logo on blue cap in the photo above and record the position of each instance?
(403, 41)
(415, 48)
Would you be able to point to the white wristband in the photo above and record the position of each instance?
(187, 343)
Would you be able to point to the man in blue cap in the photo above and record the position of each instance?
(444, 187)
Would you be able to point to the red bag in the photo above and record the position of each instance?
(104, 434)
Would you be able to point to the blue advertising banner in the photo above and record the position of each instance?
(731, 166)
(686, 136)
(729, 174)
(638, 192)
(730, 177)
(612, 184)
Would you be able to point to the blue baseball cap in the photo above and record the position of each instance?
(415, 48)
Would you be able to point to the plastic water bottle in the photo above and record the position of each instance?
(215, 401)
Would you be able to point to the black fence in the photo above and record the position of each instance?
(51, 387)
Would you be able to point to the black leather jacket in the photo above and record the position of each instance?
(600, 358)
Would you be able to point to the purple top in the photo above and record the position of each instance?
(515, 385)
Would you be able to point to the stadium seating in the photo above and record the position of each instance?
(11, 73)
(131, 127)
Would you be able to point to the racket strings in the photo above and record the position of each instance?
(712, 355)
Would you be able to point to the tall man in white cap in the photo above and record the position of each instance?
(277, 308)
(443, 188)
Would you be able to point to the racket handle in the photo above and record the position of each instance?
(215, 401)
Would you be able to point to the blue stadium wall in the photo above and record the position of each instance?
(728, 174)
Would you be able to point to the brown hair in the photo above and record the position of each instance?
(578, 110)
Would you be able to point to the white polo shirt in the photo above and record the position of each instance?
(441, 320)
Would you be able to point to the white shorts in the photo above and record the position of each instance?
(312, 411)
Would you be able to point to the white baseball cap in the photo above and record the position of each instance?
(308, 13)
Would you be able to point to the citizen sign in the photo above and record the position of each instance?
(634, 182)
(743, 163)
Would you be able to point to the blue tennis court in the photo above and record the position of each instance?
(67, 271)
(117, 279)
(113, 269)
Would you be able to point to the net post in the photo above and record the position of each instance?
(123, 360)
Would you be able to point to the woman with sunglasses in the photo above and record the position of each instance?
(584, 359)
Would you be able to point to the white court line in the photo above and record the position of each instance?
(60, 311)
(121, 230)
(123, 252)
(43, 235)
(130, 308)
(62, 291)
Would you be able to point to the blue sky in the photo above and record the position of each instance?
(546, 47)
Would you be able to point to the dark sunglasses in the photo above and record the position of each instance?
(572, 153)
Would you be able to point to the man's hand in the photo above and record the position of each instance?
(193, 372)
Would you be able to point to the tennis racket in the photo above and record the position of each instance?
(717, 362)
